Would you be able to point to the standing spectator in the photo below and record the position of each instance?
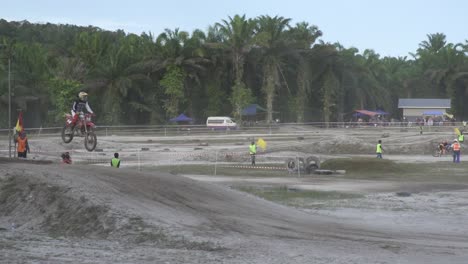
(379, 149)
(461, 137)
(456, 151)
(23, 145)
(430, 121)
(115, 162)
(253, 152)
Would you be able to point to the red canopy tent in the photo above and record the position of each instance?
(367, 113)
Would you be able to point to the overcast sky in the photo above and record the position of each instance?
(391, 28)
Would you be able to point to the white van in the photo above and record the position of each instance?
(221, 122)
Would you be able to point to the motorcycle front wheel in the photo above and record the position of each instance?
(90, 141)
(67, 134)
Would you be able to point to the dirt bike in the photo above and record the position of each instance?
(446, 150)
(84, 128)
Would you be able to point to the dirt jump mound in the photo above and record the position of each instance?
(28, 203)
(36, 205)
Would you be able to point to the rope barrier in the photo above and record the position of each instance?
(255, 167)
(178, 154)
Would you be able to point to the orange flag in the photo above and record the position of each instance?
(19, 124)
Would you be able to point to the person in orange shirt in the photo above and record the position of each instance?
(456, 151)
(23, 145)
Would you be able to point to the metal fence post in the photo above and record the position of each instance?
(9, 107)
(298, 167)
(139, 167)
(216, 162)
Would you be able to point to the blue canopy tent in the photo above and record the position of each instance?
(181, 118)
(252, 110)
(433, 113)
(357, 114)
(381, 112)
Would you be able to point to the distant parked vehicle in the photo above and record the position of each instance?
(221, 123)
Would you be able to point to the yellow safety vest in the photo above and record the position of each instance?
(253, 149)
(115, 162)
(379, 148)
(461, 138)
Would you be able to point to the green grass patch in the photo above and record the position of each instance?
(367, 165)
(376, 169)
(381, 169)
(221, 170)
(297, 198)
(356, 168)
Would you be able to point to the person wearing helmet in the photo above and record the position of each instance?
(66, 158)
(79, 105)
(444, 146)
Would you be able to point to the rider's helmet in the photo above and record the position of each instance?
(455, 140)
(83, 96)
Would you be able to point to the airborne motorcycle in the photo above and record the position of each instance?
(84, 128)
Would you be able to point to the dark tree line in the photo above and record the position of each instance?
(148, 79)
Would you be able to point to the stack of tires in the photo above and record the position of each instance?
(307, 165)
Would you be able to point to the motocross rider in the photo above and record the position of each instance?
(78, 106)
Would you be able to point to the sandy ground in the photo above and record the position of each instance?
(55, 213)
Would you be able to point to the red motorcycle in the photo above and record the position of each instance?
(84, 128)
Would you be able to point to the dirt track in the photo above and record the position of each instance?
(54, 213)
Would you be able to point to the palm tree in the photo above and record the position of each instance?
(184, 59)
(371, 91)
(274, 47)
(237, 40)
(434, 43)
(31, 75)
(117, 80)
(303, 37)
(439, 61)
(237, 37)
(328, 80)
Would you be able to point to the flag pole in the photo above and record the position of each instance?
(9, 107)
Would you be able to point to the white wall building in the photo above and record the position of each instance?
(417, 107)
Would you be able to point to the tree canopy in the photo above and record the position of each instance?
(147, 79)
